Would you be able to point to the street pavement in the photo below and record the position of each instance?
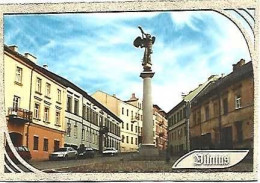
(124, 163)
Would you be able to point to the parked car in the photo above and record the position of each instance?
(86, 152)
(64, 153)
(110, 151)
(22, 151)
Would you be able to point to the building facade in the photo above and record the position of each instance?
(222, 114)
(87, 121)
(178, 118)
(131, 113)
(45, 111)
(161, 126)
(35, 104)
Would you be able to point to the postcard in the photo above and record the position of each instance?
(130, 91)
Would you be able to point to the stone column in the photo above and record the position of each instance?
(147, 108)
(148, 148)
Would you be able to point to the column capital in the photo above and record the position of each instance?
(147, 74)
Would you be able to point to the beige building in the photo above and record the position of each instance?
(131, 113)
(222, 115)
(178, 118)
(161, 126)
(35, 104)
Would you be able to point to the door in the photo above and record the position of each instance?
(226, 139)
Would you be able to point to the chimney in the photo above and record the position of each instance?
(31, 57)
(238, 64)
(133, 97)
(212, 76)
(114, 95)
(14, 48)
(45, 66)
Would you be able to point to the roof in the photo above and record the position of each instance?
(62, 81)
(189, 97)
(243, 71)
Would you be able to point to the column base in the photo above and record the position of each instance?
(148, 152)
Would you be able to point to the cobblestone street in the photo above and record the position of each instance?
(125, 164)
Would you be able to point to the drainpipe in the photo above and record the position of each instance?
(30, 100)
(82, 120)
(188, 107)
(219, 119)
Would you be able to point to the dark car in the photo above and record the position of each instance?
(22, 151)
(86, 152)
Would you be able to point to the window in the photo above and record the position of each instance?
(57, 119)
(18, 74)
(123, 125)
(135, 141)
(178, 116)
(127, 140)
(56, 145)
(59, 95)
(45, 144)
(239, 131)
(215, 108)
(132, 127)
(237, 102)
(207, 113)
(135, 129)
(83, 134)
(132, 114)
(181, 114)
(69, 104)
(36, 110)
(16, 103)
(198, 116)
(75, 130)
(184, 113)
(194, 117)
(122, 110)
(35, 142)
(84, 111)
(127, 112)
(174, 117)
(127, 128)
(225, 106)
(46, 114)
(76, 107)
(132, 140)
(48, 90)
(68, 129)
(123, 138)
(38, 85)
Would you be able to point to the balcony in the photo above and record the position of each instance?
(134, 119)
(20, 114)
(161, 134)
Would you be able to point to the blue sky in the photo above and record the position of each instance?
(95, 50)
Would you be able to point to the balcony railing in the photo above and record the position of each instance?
(161, 134)
(134, 119)
(20, 113)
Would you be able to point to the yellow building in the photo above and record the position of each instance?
(35, 104)
(131, 113)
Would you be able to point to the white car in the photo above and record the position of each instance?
(110, 151)
(64, 153)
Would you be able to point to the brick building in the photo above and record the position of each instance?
(222, 114)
